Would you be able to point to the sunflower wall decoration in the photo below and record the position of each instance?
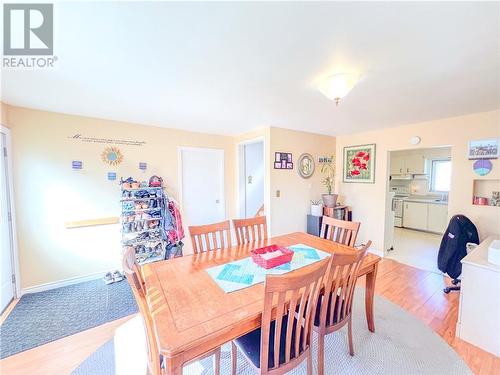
(112, 156)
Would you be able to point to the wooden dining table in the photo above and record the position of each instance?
(192, 315)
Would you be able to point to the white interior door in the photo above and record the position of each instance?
(254, 178)
(202, 185)
(7, 286)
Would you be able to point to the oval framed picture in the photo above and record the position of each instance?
(305, 165)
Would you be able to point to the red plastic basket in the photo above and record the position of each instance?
(285, 257)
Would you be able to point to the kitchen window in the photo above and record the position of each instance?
(441, 175)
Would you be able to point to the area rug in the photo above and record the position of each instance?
(39, 318)
(402, 344)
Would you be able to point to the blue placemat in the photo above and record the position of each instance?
(244, 272)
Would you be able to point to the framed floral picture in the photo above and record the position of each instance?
(359, 164)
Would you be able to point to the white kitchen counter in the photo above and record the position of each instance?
(479, 256)
(425, 200)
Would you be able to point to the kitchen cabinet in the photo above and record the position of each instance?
(415, 164)
(408, 164)
(415, 215)
(437, 218)
(397, 165)
(428, 217)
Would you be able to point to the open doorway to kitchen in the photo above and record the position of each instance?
(251, 178)
(419, 185)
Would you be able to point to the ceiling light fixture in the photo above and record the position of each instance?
(336, 86)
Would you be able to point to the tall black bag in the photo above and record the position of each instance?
(452, 249)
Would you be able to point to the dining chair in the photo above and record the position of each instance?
(334, 307)
(132, 273)
(134, 278)
(250, 230)
(341, 231)
(204, 237)
(284, 339)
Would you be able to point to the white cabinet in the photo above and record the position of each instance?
(408, 164)
(429, 217)
(479, 310)
(397, 165)
(415, 164)
(437, 218)
(415, 215)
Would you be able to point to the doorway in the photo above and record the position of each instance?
(418, 189)
(251, 178)
(9, 266)
(202, 185)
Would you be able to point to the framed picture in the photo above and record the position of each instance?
(359, 164)
(305, 165)
(483, 149)
(283, 160)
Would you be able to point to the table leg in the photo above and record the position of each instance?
(174, 365)
(369, 295)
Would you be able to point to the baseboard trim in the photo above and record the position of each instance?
(61, 283)
(376, 251)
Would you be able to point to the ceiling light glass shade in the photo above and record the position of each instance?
(337, 86)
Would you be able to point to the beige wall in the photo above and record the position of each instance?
(368, 201)
(49, 193)
(288, 212)
(3, 115)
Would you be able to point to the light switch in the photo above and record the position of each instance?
(278, 193)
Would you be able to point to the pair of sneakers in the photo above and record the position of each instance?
(112, 277)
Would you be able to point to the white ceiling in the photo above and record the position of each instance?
(230, 67)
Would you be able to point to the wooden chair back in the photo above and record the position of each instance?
(210, 237)
(134, 278)
(341, 231)
(250, 230)
(296, 295)
(336, 303)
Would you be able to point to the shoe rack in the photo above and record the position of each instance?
(143, 222)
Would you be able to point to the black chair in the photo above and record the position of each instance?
(453, 248)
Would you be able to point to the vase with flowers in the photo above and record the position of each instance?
(328, 169)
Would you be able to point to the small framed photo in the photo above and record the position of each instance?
(283, 160)
(484, 149)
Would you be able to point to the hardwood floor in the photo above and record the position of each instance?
(418, 292)
(421, 293)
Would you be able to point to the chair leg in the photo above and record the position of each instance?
(309, 362)
(234, 356)
(321, 353)
(217, 361)
(349, 335)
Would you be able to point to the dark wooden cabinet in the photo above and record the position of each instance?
(339, 212)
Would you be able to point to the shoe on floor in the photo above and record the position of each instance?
(108, 278)
(117, 276)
